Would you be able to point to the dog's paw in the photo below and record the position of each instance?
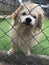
(11, 51)
(27, 53)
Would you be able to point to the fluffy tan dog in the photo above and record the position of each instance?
(27, 22)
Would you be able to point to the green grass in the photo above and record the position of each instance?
(41, 48)
(4, 39)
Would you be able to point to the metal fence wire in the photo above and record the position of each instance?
(43, 44)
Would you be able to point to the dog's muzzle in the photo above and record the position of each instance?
(27, 20)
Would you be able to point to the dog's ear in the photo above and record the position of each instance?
(39, 22)
(15, 14)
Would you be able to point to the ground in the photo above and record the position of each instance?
(21, 59)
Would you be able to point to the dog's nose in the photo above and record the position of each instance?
(28, 20)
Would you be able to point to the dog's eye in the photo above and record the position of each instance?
(24, 13)
(34, 17)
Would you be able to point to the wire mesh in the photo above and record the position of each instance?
(43, 44)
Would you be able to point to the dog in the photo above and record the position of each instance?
(26, 23)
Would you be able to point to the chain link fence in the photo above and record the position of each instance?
(41, 48)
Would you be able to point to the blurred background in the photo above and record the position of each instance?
(8, 6)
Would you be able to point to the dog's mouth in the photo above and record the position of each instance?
(27, 24)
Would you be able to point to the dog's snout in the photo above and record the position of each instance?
(28, 20)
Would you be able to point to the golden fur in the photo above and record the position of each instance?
(23, 37)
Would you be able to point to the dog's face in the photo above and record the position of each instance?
(27, 18)
(30, 15)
